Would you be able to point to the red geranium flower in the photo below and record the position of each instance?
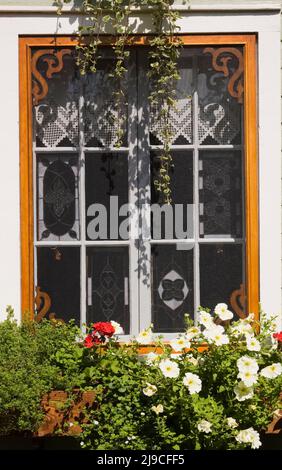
(104, 328)
(89, 341)
(278, 336)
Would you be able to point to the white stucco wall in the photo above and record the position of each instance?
(266, 23)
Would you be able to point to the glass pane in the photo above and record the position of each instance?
(219, 113)
(220, 193)
(106, 186)
(181, 116)
(108, 285)
(221, 273)
(57, 197)
(103, 116)
(56, 116)
(58, 276)
(176, 220)
(172, 289)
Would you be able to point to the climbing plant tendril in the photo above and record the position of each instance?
(163, 60)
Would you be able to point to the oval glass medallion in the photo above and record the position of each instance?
(59, 198)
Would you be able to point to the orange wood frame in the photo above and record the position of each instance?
(251, 153)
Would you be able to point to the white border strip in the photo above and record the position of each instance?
(15, 9)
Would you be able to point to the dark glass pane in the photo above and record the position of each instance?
(221, 273)
(172, 290)
(179, 221)
(219, 113)
(220, 193)
(57, 197)
(106, 183)
(181, 124)
(56, 116)
(108, 285)
(103, 116)
(58, 275)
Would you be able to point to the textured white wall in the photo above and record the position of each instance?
(267, 25)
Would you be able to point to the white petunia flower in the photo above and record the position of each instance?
(145, 336)
(216, 336)
(221, 310)
(272, 371)
(243, 392)
(248, 377)
(232, 423)
(117, 327)
(252, 343)
(243, 327)
(176, 357)
(150, 390)
(204, 426)
(216, 328)
(151, 357)
(192, 360)
(246, 363)
(158, 409)
(249, 436)
(206, 319)
(169, 368)
(192, 332)
(192, 382)
(95, 422)
(180, 343)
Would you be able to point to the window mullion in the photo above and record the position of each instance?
(144, 191)
(196, 193)
(81, 158)
(133, 196)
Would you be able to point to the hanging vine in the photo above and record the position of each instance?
(163, 58)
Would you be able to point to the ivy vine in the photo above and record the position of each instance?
(163, 58)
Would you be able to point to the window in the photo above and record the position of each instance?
(82, 197)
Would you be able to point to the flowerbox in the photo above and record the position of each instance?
(64, 412)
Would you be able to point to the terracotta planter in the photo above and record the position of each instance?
(60, 417)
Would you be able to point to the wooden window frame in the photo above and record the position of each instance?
(248, 41)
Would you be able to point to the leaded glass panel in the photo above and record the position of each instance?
(106, 191)
(56, 115)
(219, 113)
(103, 115)
(58, 276)
(57, 197)
(173, 287)
(221, 273)
(181, 115)
(108, 285)
(177, 218)
(220, 193)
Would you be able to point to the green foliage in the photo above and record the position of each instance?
(163, 58)
(139, 404)
(34, 359)
(123, 417)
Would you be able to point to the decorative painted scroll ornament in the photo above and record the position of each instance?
(55, 65)
(220, 58)
(237, 301)
(43, 304)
